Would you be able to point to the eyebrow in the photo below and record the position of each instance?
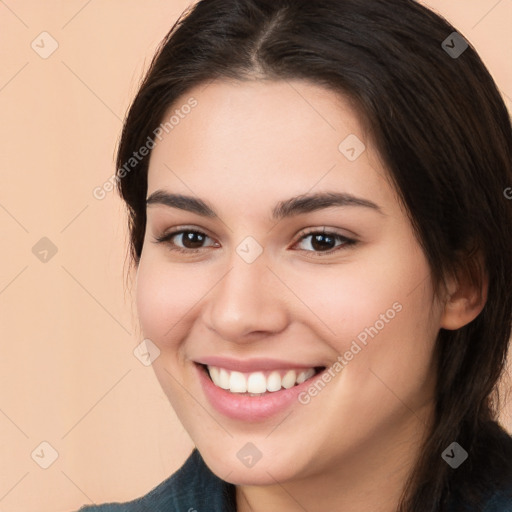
(294, 206)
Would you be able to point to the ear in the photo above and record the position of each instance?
(466, 293)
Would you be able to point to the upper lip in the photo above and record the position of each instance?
(251, 365)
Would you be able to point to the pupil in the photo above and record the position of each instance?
(190, 238)
(317, 242)
(193, 240)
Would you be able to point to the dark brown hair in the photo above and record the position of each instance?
(445, 136)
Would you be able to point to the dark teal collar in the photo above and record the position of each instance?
(193, 488)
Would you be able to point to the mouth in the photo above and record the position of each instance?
(258, 383)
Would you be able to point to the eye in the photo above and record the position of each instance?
(190, 241)
(324, 242)
(184, 240)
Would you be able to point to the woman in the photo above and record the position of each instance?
(322, 245)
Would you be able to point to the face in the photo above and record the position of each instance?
(291, 269)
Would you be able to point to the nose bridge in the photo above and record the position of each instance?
(246, 299)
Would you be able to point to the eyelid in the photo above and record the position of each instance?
(347, 241)
(177, 230)
(324, 230)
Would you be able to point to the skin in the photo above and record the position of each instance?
(242, 149)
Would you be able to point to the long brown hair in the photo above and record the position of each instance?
(444, 133)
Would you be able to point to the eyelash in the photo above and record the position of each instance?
(346, 242)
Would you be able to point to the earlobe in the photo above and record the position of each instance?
(466, 296)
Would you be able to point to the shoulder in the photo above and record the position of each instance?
(500, 501)
(193, 487)
(496, 471)
(495, 476)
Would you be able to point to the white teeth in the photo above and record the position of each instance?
(256, 383)
(237, 383)
(223, 381)
(214, 372)
(289, 379)
(274, 382)
(303, 376)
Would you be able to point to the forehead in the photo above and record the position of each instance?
(246, 138)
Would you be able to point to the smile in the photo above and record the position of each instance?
(256, 389)
(260, 382)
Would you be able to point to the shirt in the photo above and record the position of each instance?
(194, 488)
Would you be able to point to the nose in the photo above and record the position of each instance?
(247, 303)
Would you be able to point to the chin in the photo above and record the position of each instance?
(228, 464)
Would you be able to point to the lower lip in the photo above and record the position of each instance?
(250, 408)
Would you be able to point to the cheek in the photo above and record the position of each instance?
(376, 290)
(378, 316)
(165, 298)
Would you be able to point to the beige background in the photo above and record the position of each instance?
(68, 374)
